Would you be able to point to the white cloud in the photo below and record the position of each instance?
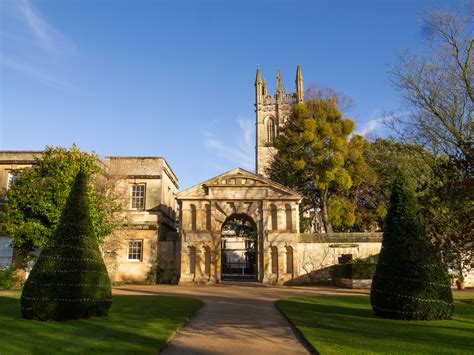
(43, 33)
(35, 73)
(372, 125)
(241, 151)
(375, 125)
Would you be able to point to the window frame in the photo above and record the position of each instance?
(10, 179)
(270, 130)
(6, 251)
(132, 197)
(140, 255)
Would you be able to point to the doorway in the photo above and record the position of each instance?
(239, 248)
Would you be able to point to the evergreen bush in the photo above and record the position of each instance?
(69, 279)
(355, 270)
(410, 281)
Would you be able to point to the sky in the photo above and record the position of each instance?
(176, 78)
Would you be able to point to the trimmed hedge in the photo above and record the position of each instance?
(69, 279)
(354, 270)
(410, 281)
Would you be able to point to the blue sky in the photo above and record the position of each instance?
(175, 78)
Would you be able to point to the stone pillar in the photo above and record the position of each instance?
(186, 277)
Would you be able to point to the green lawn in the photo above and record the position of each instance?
(347, 325)
(135, 324)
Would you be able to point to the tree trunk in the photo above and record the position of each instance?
(324, 210)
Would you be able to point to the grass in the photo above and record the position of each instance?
(135, 324)
(347, 325)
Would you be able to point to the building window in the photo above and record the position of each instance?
(270, 130)
(10, 179)
(289, 260)
(6, 251)
(135, 250)
(192, 260)
(289, 224)
(207, 261)
(208, 217)
(137, 201)
(274, 217)
(274, 252)
(193, 218)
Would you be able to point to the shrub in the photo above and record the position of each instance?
(69, 279)
(410, 281)
(354, 270)
(8, 278)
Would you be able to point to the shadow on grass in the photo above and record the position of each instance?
(347, 324)
(139, 324)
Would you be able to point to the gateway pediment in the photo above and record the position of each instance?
(238, 184)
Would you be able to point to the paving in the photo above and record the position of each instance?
(236, 319)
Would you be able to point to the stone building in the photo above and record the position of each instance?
(146, 238)
(146, 187)
(11, 161)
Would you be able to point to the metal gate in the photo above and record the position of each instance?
(239, 259)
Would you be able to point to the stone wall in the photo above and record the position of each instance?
(316, 253)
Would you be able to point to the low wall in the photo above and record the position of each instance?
(316, 253)
(352, 283)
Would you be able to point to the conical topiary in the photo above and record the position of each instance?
(410, 281)
(69, 279)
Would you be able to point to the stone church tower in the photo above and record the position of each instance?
(272, 112)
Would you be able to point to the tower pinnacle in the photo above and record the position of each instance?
(258, 78)
(299, 85)
(280, 88)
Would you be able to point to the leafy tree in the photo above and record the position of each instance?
(341, 212)
(410, 281)
(448, 210)
(69, 279)
(363, 196)
(38, 195)
(387, 157)
(317, 157)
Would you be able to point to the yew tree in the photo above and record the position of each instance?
(318, 156)
(411, 282)
(69, 280)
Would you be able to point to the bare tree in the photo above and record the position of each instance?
(436, 85)
(343, 102)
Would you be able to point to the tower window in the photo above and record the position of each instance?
(270, 130)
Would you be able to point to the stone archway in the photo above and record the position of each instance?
(270, 209)
(239, 248)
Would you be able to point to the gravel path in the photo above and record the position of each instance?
(236, 319)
